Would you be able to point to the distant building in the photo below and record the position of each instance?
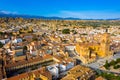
(80, 73)
(4, 41)
(40, 74)
(54, 71)
(100, 78)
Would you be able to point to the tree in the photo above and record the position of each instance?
(116, 66)
(66, 31)
(118, 60)
(74, 32)
(106, 65)
(109, 76)
(112, 62)
(1, 45)
(1, 33)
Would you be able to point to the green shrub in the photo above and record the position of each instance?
(66, 31)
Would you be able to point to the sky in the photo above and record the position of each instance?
(90, 9)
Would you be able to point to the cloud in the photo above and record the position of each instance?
(7, 12)
(88, 14)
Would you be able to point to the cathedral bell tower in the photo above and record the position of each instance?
(105, 44)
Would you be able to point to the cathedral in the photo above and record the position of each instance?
(90, 51)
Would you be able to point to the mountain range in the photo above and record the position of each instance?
(43, 17)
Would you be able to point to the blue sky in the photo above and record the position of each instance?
(63, 8)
